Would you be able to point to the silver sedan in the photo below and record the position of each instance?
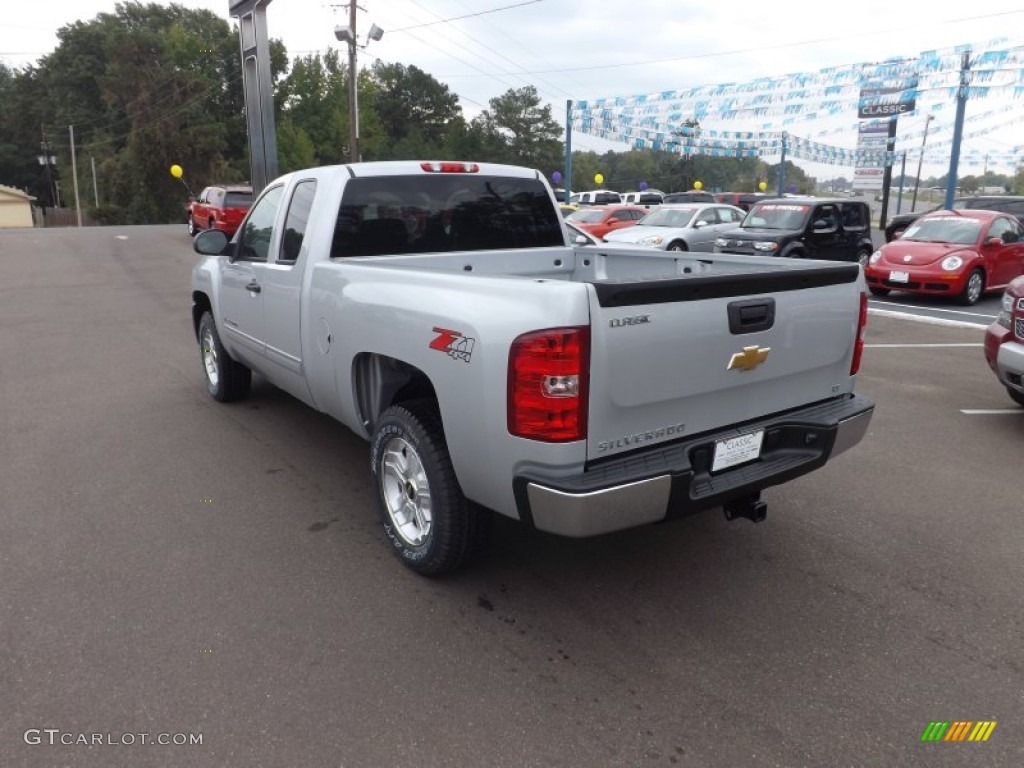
(682, 227)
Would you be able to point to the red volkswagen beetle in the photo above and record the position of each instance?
(961, 253)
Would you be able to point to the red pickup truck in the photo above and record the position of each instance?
(219, 207)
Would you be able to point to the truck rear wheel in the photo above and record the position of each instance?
(226, 379)
(430, 525)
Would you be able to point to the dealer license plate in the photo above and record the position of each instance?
(737, 450)
(899, 277)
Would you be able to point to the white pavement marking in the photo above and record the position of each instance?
(931, 320)
(911, 346)
(991, 411)
(940, 309)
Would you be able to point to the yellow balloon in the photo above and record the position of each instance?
(698, 185)
(176, 171)
(598, 178)
(763, 186)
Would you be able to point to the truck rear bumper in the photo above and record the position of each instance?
(670, 481)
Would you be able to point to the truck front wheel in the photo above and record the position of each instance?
(226, 379)
(430, 525)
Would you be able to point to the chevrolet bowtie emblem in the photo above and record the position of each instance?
(749, 358)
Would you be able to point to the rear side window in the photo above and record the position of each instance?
(443, 212)
(296, 221)
(237, 200)
(854, 216)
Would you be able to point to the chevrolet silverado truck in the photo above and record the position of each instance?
(440, 311)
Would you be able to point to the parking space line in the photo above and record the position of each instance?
(926, 319)
(911, 346)
(939, 309)
(991, 411)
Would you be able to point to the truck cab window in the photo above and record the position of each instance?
(295, 222)
(258, 229)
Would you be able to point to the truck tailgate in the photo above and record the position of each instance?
(677, 357)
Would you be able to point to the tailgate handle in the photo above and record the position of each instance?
(751, 315)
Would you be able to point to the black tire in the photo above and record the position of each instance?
(226, 379)
(191, 226)
(879, 291)
(793, 253)
(973, 290)
(862, 256)
(677, 245)
(409, 461)
(1016, 396)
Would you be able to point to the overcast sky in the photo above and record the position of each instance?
(584, 49)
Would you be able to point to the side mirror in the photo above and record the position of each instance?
(699, 224)
(994, 241)
(580, 240)
(210, 242)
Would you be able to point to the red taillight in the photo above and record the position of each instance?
(858, 349)
(450, 167)
(548, 373)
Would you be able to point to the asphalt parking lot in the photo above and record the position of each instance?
(173, 566)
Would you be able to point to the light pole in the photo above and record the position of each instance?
(920, 160)
(348, 35)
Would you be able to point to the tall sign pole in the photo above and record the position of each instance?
(568, 149)
(259, 96)
(958, 131)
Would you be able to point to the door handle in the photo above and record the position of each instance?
(253, 286)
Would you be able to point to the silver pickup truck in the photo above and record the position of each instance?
(439, 311)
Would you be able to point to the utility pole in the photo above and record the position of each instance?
(74, 174)
(920, 161)
(47, 159)
(348, 35)
(95, 189)
(353, 87)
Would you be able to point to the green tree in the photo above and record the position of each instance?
(529, 133)
(416, 112)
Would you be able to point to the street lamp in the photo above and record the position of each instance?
(920, 160)
(348, 35)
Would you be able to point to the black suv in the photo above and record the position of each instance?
(803, 228)
(1013, 205)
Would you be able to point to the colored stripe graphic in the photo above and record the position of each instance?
(982, 731)
(958, 730)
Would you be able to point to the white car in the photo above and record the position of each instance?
(681, 227)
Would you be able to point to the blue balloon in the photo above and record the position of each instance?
(556, 177)
(642, 186)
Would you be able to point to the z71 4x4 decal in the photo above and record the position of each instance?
(454, 344)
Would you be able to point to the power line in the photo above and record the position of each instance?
(465, 16)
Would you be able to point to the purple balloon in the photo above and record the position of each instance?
(556, 177)
(792, 189)
(642, 186)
